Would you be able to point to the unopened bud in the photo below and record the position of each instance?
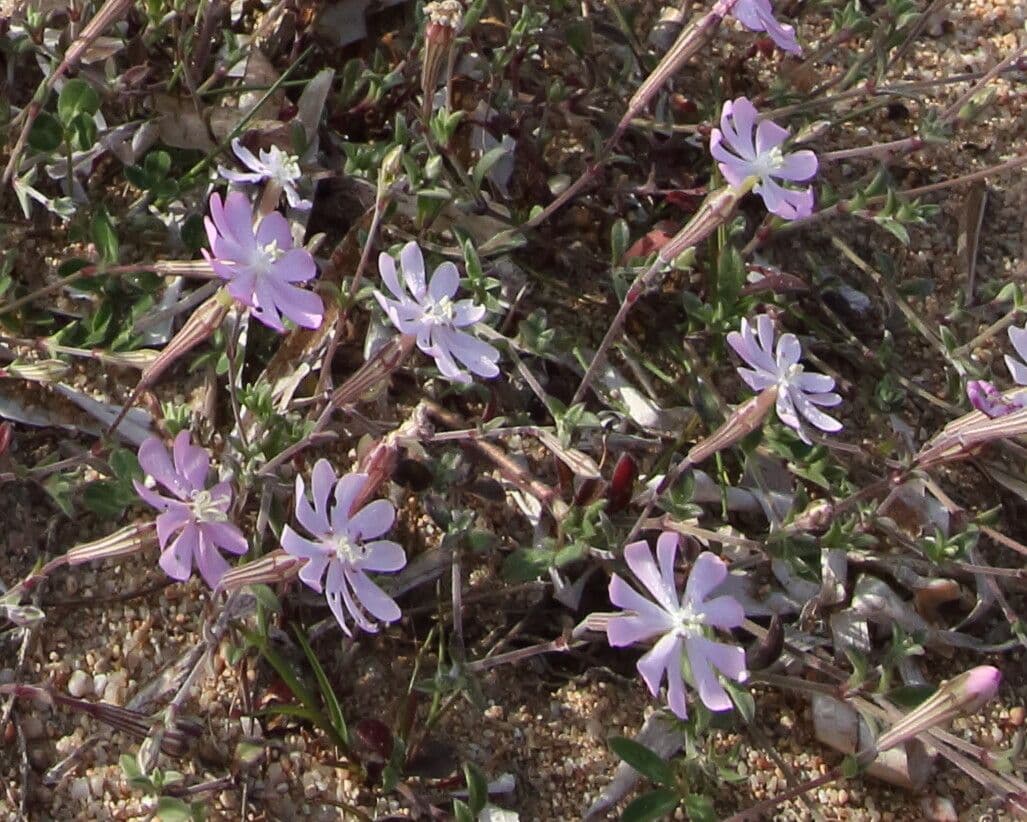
(122, 543)
(200, 326)
(715, 210)
(43, 371)
(276, 567)
(443, 21)
(964, 694)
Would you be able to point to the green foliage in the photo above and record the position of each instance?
(643, 760)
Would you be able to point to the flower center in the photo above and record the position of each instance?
(766, 164)
(205, 508)
(346, 551)
(283, 167)
(265, 257)
(791, 373)
(687, 622)
(440, 312)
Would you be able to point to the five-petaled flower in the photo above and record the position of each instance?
(430, 313)
(741, 156)
(199, 515)
(799, 392)
(273, 165)
(757, 15)
(340, 545)
(682, 625)
(261, 265)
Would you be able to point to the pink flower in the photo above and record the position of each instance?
(197, 514)
(340, 547)
(740, 158)
(261, 266)
(681, 625)
(757, 15)
(430, 313)
(987, 399)
(798, 392)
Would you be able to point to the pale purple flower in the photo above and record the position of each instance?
(799, 392)
(682, 625)
(274, 165)
(741, 156)
(430, 313)
(340, 546)
(197, 514)
(757, 15)
(261, 266)
(987, 399)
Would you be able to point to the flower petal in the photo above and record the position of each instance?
(642, 619)
(379, 604)
(177, 559)
(274, 228)
(769, 135)
(387, 270)
(335, 592)
(175, 517)
(664, 654)
(444, 282)
(702, 655)
(211, 564)
(798, 166)
(479, 357)
(314, 519)
(155, 461)
(723, 612)
(225, 536)
(382, 555)
(412, 262)
(708, 572)
(347, 490)
(640, 560)
(192, 463)
(371, 521)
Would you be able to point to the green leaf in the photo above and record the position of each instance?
(59, 487)
(485, 164)
(267, 598)
(129, 766)
(46, 133)
(620, 236)
(743, 700)
(170, 809)
(82, 132)
(699, 808)
(331, 701)
(461, 813)
(105, 238)
(106, 498)
(651, 806)
(283, 668)
(125, 465)
(477, 788)
(526, 564)
(643, 760)
(77, 97)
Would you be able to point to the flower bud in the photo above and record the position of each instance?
(964, 694)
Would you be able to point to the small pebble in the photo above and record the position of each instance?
(79, 684)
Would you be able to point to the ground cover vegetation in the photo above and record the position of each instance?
(365, 363)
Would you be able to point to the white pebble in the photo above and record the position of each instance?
(99, 683)
(79, 684)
